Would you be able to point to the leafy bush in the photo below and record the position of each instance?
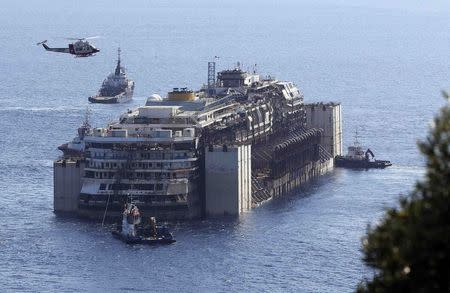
(409, 249)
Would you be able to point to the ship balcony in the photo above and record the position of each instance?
(134, 193)
(153, 198)
(109, 173)
(155, 181)
(137, 139)
(114, 153)
(144, 180)
(143, 176)
(116, 159)
(100, 204)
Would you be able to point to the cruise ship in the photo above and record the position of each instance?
(233, 144)
(116, 88)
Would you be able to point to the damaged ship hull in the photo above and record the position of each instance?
(218, 151)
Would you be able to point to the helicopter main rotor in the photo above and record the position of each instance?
(83, 39)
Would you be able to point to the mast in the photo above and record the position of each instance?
(117, 73)
(357, 142)
(86, 126)
(87, 118)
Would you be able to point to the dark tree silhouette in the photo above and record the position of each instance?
(409, 249)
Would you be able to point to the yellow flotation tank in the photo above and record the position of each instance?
(181, 94)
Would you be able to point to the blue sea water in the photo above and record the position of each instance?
(385, 62)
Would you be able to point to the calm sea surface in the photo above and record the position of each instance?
(386, 63)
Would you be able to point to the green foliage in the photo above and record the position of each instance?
(409, 249)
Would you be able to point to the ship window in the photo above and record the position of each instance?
(121, 186)
(102, 186)
(89, 174)
(145, 186)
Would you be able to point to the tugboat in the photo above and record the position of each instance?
(357, 158)
(134, 231)
(116, 88)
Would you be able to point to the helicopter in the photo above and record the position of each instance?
(80, 48)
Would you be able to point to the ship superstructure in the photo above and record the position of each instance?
(150, 154)
(116, 88)
(167, 153)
